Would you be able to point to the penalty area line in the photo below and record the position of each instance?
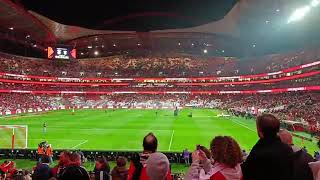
(171, 140)
(237, 122)
(79, 144)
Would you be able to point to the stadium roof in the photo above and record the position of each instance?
(257, 25)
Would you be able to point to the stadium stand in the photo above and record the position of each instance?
(284, 85)
(126, 66)
(301, 67)
(115, 73)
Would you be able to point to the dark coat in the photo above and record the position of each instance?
(269, 159)
(103, 173)
(301, 167)
(42, 172)
(119, 173)
(74, 172)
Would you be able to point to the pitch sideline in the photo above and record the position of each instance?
(171, 140)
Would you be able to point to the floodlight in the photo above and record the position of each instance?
(315, 3)
(299, 13)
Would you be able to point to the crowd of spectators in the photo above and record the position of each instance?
(274, 156)
(293, 106)
(301, 107)
(125, 66)
(312, 81)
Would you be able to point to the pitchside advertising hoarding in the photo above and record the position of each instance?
(62, 52)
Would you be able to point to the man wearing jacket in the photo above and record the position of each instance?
(138, 166)
(301, 158)
(269, 158)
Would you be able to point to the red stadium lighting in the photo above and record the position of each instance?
(11, 28)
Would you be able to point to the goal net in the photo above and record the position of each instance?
(13, 136)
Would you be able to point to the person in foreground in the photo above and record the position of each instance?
(120, 172)
(315, 167)
(300, 158)
(74, 170)
(138, 165)
(157, 166)
(269, 157)
(225, 163)
(42, 170)
(102, 169)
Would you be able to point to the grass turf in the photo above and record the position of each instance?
(124, 129)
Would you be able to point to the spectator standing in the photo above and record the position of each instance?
(120, 172)
(269, 158)
(186, 157)
(157, 166)
(7, 168)
(73, 170)
(102, 169)
(40, 152)
(64, 160)
(315, 167)
(49, 153)
(300, 157)
(317, 156)
(137, 169)
(42, 170)
(225, 164)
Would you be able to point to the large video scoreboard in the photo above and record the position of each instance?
(62, 52)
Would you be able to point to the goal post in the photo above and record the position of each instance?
(13, 136)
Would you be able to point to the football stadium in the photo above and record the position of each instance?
(160, 90)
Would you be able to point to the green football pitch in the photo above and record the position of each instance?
(124, 129)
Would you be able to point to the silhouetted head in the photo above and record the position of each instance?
(267, 125)
(150, 143)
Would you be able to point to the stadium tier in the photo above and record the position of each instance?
(126, 66)
(84, 85)
(159, 90)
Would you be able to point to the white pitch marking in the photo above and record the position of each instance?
(80, 144)
(171, 140)
(237, 122)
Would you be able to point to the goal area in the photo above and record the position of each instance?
(13, 136)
